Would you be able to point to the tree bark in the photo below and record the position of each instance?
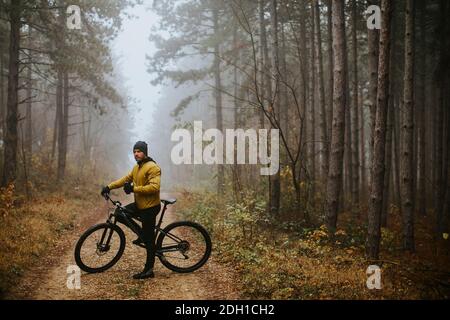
(407, 170)
(275, 179)
(388, 161)
(389, 130)
(60, 122)
(284, 100)
(421, 189)
(312, 102)
(442, 77)
(446, 218)
(304, 87)
(378, 161)
(373, 43)
(339, 107)
(266, 85)
(10, 136)
(362, 150)
(330, 74)
(355, 111)
(28, 114)
(396, 148)
(2, 87)
(321, 91)
(236, 168)
(218, 97)
(64, 127)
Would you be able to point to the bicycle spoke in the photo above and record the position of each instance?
(188, 249)
(96, 253)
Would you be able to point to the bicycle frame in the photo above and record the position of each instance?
(113, 220)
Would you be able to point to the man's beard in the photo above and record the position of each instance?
(140, 160)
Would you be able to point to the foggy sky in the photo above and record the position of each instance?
(131, 46)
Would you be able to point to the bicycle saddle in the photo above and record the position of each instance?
(168, 201)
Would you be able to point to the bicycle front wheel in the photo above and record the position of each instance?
(183, 246)
(100, 247)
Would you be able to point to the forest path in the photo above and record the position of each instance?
(48, 280)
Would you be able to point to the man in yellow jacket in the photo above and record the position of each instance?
(144, 181)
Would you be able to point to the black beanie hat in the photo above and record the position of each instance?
(142, 146)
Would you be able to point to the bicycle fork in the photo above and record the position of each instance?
(103, 247)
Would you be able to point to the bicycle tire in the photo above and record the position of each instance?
(82, 264)
(169, 230)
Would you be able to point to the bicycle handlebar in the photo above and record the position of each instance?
(116, 203)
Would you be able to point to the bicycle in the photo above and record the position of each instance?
(188, 239)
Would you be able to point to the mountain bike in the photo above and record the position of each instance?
(182, 246)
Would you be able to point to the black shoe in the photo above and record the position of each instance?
(144, 274)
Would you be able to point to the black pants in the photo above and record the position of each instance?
(146, 232)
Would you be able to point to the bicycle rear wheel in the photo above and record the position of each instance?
(100, 247)
(183, 246)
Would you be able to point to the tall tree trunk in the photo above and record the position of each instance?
(396, 153)
(432, 120)
(421, 190)
(389, 129)
(266, 85)
(236, 102)
(321, 91)
(60, 99)
(305, 79)
(312, 102)
(378, 170)
(28, 114)
(267, 91)
(407, 170)
(304, 87)
(445, 162)
(348, 167)
(362, 150)
(373, 43)
(275, 179)
(339, 106)
(330, 75)
(218, 97)
(284, 100)
(388, 159)
(56, 122)
(63, 147)
(10, 136)
(60, 122)
(445, 226)
(442, 77)
(2, 87)
(355, 111)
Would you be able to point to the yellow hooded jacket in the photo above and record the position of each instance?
(146, 178)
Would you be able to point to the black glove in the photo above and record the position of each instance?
(105, 191)
(128, 187)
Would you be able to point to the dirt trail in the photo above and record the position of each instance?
(212, 281)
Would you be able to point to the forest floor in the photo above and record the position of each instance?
(281, 258)
(250, 260)
(48, 278)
